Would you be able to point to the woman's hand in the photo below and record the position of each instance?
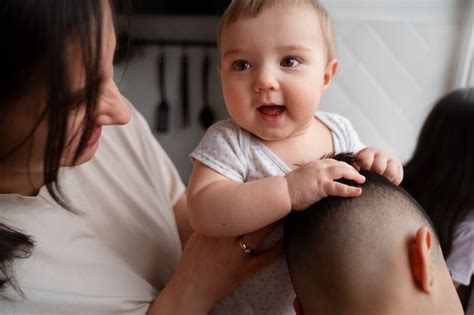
(209, 269)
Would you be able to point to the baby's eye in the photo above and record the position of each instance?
(289, 62)
(241, 65)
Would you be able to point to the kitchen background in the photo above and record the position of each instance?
(396, 58)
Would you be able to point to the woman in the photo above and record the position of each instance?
(96, 211)
(440, 176)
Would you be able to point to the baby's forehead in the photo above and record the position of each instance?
(244, 13)
(234, 22)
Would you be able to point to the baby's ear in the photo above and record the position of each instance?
(330, 72)
(422, 265)
(297, 306)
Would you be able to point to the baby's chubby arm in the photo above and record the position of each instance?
(382, 163)
(221, 207)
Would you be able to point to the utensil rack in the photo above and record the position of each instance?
(206, 114)
(140, 42)
(127, 47)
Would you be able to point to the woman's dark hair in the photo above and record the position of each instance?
(35, 35)
(440, 175)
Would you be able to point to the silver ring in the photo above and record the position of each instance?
(247, 250)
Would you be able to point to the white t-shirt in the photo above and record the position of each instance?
(233, 152)
(121, 248)
(461, 259)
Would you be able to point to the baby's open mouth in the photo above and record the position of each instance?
(272, 111)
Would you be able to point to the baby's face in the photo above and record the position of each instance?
(274, 69)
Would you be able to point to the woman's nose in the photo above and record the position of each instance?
(112, 108)
(265, 80)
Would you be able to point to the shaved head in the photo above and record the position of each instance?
(343, 253)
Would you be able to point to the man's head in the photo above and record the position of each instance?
(276, 60)
(373, 254)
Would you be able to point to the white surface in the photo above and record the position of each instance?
(140, 83)
(396, 58)
(466, 66)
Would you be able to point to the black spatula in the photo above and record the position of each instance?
(185, 121)
(163, 108)
(206, 115)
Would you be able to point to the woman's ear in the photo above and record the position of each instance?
(330, 72)
(422, 265)
(297, 306)
(219, 69)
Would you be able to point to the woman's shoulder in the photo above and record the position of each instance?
(463, 236)
(466, 226)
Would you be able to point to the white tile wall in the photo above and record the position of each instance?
(396, 59)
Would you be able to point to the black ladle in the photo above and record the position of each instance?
(163, 109)
(206, 115)
(185, 119)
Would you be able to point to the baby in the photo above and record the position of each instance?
(277, 59)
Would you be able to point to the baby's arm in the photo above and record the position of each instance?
(380, 162)
(221, 207)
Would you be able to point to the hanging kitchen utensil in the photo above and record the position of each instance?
(206, 115)
(163, 109)
(185, 121)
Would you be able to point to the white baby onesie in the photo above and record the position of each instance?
(233, 152)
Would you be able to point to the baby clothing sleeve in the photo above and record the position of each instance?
(345, 137)
(223, 149)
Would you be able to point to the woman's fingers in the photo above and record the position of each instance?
(265, 258)
(254, 239)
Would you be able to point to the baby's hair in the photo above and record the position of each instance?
(252, 8)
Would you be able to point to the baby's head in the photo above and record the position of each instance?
(241, 9)
(372, 254)
(277, 59)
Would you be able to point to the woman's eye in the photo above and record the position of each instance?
(241, 65)
(289, 62)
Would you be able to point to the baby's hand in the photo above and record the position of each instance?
(376, 160)
(316, 180)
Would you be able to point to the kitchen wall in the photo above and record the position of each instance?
(396, 58)
(140, 84)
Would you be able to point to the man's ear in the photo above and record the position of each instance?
(219, 69)
(297, 306)
(422, 265)
(330, 72)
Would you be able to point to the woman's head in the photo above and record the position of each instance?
(57, 87)
(448, 131)
(56, 92)
(440, 174)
